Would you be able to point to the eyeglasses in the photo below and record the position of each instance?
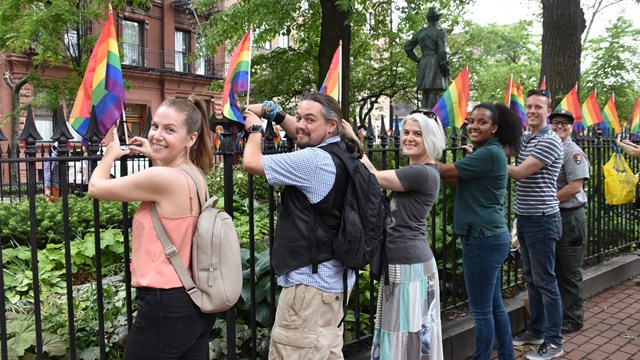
(538, 92)
(564, 124)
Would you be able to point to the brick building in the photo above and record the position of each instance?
(158, 48)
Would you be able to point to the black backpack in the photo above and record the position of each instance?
(360, 234)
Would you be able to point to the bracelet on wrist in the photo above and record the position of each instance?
(279, 117)
(270, 109)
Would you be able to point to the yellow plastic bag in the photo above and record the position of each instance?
(619, 181)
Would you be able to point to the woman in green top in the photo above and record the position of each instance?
(478, 218)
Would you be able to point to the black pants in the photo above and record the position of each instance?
(168, 326)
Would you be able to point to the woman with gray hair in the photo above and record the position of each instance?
(407, 324)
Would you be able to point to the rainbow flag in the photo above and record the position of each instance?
(277, 138)
(543, 86)
(521, 96)
(451, 108)
(217, 137)
(237, 79)
(102, 85)
(591, 114)
(635, 117)
(572, 103)
(512, 100)
(332, 84)
(610, 115)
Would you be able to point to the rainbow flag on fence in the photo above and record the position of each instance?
(635, 117)
(610, 115)
(237, 80)
(451, 108)
(512, 100)
(102, 85)
(572, 103)
(591, 114)
(332, 84)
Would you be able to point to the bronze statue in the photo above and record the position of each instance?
(433, 66)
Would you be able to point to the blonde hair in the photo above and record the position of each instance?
(432, 133)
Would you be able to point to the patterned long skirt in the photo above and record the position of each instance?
(408, 315)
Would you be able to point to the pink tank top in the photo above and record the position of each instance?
(149, 266)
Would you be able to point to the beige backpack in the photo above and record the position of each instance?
(216, 268)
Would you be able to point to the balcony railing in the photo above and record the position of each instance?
(137, 56)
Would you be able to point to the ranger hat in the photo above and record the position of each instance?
(562, 112)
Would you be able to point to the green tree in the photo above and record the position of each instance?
(52, 33)
(494, 52)
(612, 65)
(378, 30)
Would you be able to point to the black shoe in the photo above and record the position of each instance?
(569, 327)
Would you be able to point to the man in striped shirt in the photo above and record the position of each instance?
(539, 227)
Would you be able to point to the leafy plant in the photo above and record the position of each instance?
(16, 225)
(51, 265)
(21, 338)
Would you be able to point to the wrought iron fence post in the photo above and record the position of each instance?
(228, 153)
(29, 136)
(94, 137)
(61, 135)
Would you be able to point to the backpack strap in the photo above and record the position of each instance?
(170, 250)
(187, 170)
(171, 253)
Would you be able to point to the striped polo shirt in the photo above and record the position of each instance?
(536, 194)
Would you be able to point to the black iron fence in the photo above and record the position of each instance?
(65, 264)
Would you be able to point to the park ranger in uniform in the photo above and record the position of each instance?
(571, 246)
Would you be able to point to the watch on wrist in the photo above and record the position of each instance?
(254, 129)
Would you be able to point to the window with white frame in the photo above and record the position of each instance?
(182, 50)
(201, 65)
(284, 41)
(131, 43)
(71, 42)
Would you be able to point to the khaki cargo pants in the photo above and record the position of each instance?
(306, 325)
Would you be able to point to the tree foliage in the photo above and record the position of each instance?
(54, 33)
(379, 28)
(493, 53)
(612, 65)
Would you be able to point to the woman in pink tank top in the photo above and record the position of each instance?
(168, 325)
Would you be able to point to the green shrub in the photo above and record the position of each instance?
(16, 225)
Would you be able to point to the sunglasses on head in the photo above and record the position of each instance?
(428, 113)
(538, 92)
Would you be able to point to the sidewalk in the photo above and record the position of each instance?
(611, 329)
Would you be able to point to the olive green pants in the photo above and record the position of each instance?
(569, 256)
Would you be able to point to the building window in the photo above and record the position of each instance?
(131, 43)
(71, 42)
(182, 50)
(201, 64)
(284, 41)
(44, 123)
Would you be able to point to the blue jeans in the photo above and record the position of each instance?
(482, 258)
(538, 236)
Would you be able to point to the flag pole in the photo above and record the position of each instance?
(125, 127)
(340, 64)
(250, 56)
